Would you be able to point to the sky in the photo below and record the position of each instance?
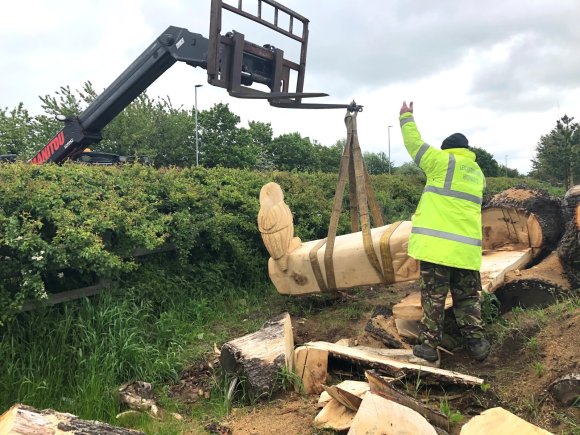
(501, 71)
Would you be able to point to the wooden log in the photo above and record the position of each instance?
(259, 357)
(311, 367)
(379, 385)
(500, 421)
(566, 389)
(569, 247)
(402, 355)
(537, 286)
(395, 368)
(380, 416)
(25, 420)
(542, 218)
(351, 265)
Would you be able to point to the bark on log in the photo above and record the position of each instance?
(380, 386)
(25, 420)
(259, 357)
(538, 286)
(569, 248)
(378, 327)
(380, 416)
(566, 389)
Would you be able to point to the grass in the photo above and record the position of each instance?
(74, 357)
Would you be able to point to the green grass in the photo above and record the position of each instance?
(74, 357)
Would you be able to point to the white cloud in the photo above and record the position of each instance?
(499, 72)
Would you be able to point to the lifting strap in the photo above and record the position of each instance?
(361, 197)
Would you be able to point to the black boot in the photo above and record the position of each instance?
(426, 352)
(478, 348)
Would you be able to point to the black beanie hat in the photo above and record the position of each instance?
(456, 140)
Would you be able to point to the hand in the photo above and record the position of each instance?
(405, 108)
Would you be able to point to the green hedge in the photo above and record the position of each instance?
(66, 226)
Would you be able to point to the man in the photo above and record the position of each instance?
(446, 237)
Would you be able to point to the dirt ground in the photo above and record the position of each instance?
(530, 349)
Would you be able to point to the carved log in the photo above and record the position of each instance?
(259, 357)
(25, 420)
(351, 265)
(380, 416)
(498, 420)
(537, 286)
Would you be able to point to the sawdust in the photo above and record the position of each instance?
(549, 270)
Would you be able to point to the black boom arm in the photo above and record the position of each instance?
(175, 44)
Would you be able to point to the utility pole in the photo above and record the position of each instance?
(506, 171)
(389, 133)
(196, 130)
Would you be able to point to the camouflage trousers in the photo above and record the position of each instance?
(436, 280)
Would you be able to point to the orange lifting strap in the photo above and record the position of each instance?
(361, 197)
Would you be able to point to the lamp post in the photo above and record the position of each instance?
(196, 131)
(389, 132)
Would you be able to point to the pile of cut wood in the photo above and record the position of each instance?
(375, 406)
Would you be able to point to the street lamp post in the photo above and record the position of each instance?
(389, 130)
(196, 131)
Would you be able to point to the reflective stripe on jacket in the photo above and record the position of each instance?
(447, 223)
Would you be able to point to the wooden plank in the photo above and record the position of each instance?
(311, 367)
(500, 421)
(394, 367)
(380, 386)
(70, 295)
(345, 398)
(380, 416)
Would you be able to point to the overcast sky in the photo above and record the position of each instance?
(501, 71)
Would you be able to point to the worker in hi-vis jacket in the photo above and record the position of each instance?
(446, 237)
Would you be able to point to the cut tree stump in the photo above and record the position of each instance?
(429, 375)
(259, 357)
(25, 420)
(538, 286)
(380, 416)
(566, 390)
(540, 226)
(500, 421)
(383, 387)
(569, 248)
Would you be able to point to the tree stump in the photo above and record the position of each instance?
(538, 286)
(25, 420)
(258, 358)
(569, 248)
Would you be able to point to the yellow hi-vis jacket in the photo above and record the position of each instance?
(447, 223)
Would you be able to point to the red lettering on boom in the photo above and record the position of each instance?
(49, 149)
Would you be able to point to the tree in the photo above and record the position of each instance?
(508, 172)
(377, 163)
(329, 157)
(261, 136)
(292, 152)
(558, 154)
(19, 132)
(486, 162)
(222, 142)
(410, 169)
